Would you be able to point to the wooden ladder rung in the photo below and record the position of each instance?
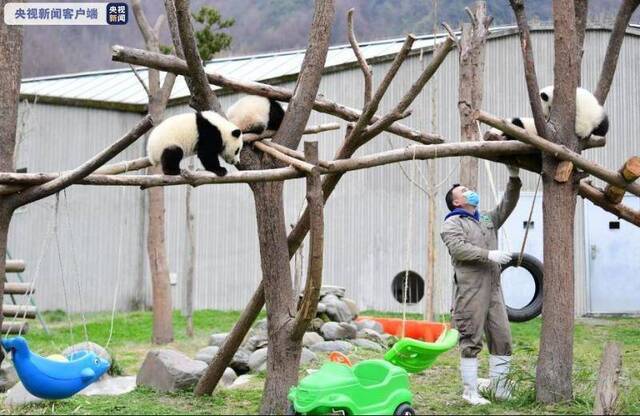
(14, 328)
(22, 311)
(15, 266)
(18, 288)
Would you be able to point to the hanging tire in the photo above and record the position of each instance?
(534, 307)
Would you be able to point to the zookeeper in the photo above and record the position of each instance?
(472, 239)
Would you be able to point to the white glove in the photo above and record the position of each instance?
(514, 172)
(500, 257)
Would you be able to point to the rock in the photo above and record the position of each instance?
(389, 340)
(332, 290)
(321, 308)
(352, 306)
(240, 361)
(365, 343)
(9, 378)
(328, 346)
(206, 354)
(337, 310)
(87, 346)
(261, 325)
(307, 356)
(228, 377)
(316, 324)
(310, 338)
(169, 371)
(371, 335)
(258, 340)
(338, 330)
(18, 396)
(241, 381)
(110, 386)
(258, 360)
(370, 324)
(216, 340)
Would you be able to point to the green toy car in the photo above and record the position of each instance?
(371, 387)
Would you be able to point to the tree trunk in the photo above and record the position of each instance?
(189, 259)
(283, 354)
(555, 361)
(158, 266)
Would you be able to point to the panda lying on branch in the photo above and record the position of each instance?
(591, 118)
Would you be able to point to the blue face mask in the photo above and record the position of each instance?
(472, 198)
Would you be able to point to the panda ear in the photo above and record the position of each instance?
(236, 133)
(544, 96)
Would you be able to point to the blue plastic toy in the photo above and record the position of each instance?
(50, 379)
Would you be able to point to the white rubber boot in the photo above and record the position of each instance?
(498, 370)
(469, 372)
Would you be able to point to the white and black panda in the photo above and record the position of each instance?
(590, 115)
(206, 134)
(526, 123)
(255, 114)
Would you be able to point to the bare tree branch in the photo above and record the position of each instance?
(267, 134)
(172, 20)
(177, 66)
(144, 86)
(610, 62)
(202, 97)
(314, 271)
(529, 67)
(288, 160)
(366, 69)
(68, 178)
(582, 9)
(598, 197)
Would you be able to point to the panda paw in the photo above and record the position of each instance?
(220, 171)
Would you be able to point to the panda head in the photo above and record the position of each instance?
(230, 135)
(546, 97)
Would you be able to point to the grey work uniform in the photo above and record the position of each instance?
(479, 303)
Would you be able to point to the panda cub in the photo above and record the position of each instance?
(255, 114)
(205, 133)
(590, 115)
(525, 123)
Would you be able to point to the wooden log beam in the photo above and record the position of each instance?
(15, 328)
(597, 196)
(18, 288)
(560, 152)
(630, 171)
(175, 65)
(293, 153)
(21, 311)
(485, 150)
(291, 161)
(606, 400)
(15, 266)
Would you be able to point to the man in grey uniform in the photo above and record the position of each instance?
(472, 240)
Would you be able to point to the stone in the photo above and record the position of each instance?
(167, 370)
(216, 340)
(321, 308)
(310, 338)
(228, 377)
(337, 310)
(258, 360)
(367, 344)
(338, 330)
(18, 396)
(257, 340)
(242, 381)
(338, 291)
(110, 386)
(261, 325)
(240, 361)
(9, 378)
(316, 324)
(87, 346)
(389, 340)
(307, 356)
(206, 354)
(371, 335)
(353, 307)
(329, 346)
(370, 324)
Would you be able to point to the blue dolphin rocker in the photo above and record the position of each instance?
(50, 379)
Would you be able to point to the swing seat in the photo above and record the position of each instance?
(52, 379)
(416, 356)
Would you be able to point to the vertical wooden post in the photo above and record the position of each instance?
(608, 376)
(189, 258)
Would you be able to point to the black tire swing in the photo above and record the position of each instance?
(534, 307)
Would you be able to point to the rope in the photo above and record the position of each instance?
(408, 248)
(64, 284)
(526, 232)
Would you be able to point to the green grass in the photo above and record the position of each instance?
(436, 391)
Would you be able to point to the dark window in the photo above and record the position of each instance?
(415, 287)
(614, 225)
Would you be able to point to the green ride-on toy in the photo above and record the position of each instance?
(371, 387)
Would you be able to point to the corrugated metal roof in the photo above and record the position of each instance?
(121, 86)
